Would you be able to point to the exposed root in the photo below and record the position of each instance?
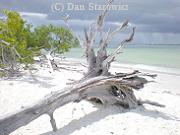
(141, 102)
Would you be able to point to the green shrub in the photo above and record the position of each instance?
(54, 37)
(25, 41)
(13, 31)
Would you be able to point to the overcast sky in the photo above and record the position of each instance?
(157, 21)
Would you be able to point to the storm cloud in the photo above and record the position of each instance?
(158, 20)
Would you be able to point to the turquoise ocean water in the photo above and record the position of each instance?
(153, 55)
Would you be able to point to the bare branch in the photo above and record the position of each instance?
(66, 19)
(88, 44)
(4, 42)
(118, 50)
(111, 35)
(101, 17)
(17, 52)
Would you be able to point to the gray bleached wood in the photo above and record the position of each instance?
(83, 90)
(98, 84)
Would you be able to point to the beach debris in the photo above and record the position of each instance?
(98, 85)
(13, 66)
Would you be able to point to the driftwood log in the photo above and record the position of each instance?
(109, 90)
(98, 84)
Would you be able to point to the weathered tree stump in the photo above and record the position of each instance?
(98, 84)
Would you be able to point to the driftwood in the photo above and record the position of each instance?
(99, 88)
(98, 84)
(7, 59)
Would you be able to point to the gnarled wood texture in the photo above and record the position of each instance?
(98, 83)
(98, 87)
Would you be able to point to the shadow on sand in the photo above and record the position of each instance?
(102, 113)
(42, 81)
(39, 80)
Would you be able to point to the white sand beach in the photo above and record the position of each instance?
(85, 118)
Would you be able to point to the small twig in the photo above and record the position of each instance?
(53, 122)
(4, 42)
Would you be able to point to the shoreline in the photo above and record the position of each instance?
(156, 56)
(85, 118)
(142, 67)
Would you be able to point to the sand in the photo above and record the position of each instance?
(85, 118)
